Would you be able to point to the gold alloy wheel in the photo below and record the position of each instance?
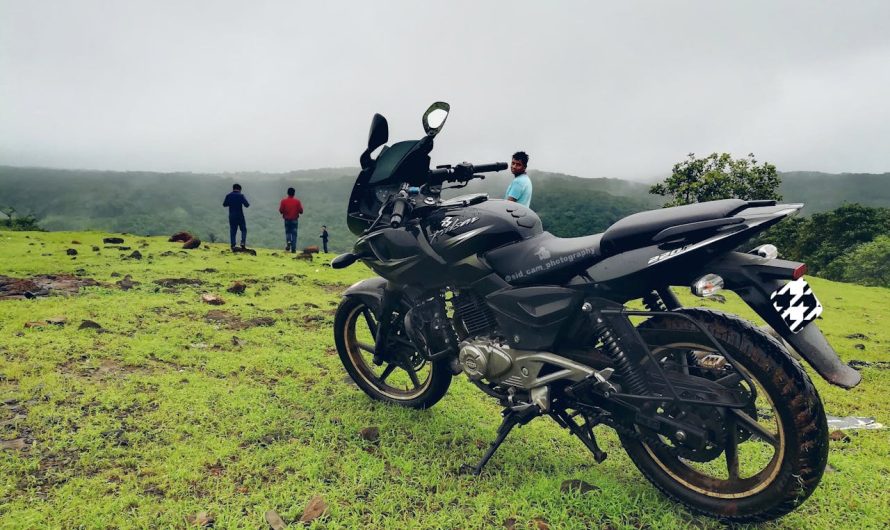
(753, 453)
(403, 380)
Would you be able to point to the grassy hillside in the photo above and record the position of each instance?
(176, 407)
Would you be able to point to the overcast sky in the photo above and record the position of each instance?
(618, 89)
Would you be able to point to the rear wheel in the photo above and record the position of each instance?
(401, 375)
(769, 457)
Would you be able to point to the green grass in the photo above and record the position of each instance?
(164, 416)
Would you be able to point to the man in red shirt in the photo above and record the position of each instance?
(290, 209)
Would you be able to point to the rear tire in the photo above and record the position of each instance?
(354, 323)
(800, 445)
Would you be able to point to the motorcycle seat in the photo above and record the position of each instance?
(637, 230)
(545, 256)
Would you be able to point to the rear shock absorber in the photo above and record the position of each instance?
(653, 302)
(629, 370)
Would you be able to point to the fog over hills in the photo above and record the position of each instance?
(152, 203)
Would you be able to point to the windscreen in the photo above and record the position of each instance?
(389, 161)
(401, 162)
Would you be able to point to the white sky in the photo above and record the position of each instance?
(618, 89)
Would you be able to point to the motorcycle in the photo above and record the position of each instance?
(711, 409)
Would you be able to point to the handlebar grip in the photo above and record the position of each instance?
(485, 168)
(398, 212)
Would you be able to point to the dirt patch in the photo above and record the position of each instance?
(880, 365)
(332, 288)
(106, 369)
(127, 283)
(42, 285)
(176, 282)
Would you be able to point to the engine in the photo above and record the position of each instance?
(475, 315)
(484, 359)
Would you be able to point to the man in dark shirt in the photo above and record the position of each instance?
(234, 202)
(290, 209)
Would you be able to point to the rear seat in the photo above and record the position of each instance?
(637, 230)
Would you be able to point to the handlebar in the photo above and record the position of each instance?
(398, 210)
(465, 172)
(485, 168)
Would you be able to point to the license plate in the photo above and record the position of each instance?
(796, 304)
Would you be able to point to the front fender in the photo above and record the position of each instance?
(754, 278)
(369, 291)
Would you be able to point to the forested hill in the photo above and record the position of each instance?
(826, 191)
(163, 203)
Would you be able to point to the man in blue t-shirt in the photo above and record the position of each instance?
(234, 202)
(520, 190)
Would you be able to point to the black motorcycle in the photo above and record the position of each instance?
(712, 409)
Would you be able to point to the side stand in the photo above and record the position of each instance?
(512, 417)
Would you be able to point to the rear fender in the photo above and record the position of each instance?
(754, 279)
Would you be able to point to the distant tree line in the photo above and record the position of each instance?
(848, 244)
(16, 222)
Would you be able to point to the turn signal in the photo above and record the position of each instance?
(766, 251)
(707, 285)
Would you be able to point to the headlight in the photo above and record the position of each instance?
(707, 285)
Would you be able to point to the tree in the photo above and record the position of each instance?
(719, 176)
(867, 264)
(18, 222)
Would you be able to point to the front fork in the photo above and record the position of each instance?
(389, 304)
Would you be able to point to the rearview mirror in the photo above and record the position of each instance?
(379, 132)
(434, 117)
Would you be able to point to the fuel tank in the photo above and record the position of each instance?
(463, 231)
(444, 249)
(402, 256)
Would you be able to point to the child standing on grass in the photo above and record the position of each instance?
(324, 237)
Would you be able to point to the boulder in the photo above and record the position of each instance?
(180, 236)
(192, 243)
(237, 288)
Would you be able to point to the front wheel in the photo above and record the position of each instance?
(400, 375)
(771, 455)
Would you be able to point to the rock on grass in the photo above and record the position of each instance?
(275, 521)
(237, 288)
(18, 444)
(315, 509)
(89, 324)
(370, 434)
(839, 436)
(201, 519)
(212, 299)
